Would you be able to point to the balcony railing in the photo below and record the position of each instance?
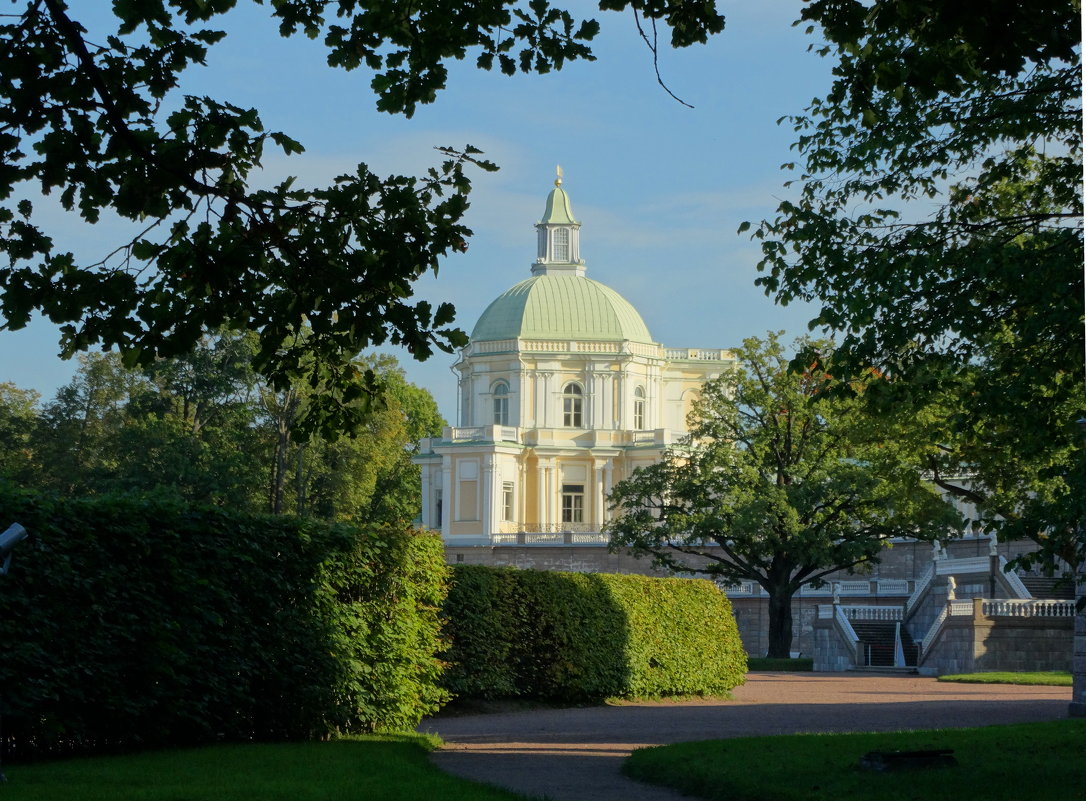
(698, 354)
(585, 534)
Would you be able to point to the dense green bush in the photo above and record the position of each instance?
(578, 636)
(135, 622)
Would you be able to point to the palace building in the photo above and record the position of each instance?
(562, 392)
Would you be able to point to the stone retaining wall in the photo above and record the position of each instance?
(1077, 707)
(830, 651)
(969, 644)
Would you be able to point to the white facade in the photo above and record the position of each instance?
(562, 394)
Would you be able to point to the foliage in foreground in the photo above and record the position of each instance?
(1050, 678)
(129, 623)
(93, 111)
(577, 637)
(369, 768)
(824, 766)
(938, 227)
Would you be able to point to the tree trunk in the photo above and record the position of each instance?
(279, 474)
(299, 482)
(780, 624)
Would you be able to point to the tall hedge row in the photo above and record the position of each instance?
(576, 636)
(128, 623)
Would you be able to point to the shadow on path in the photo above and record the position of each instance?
(575, 754)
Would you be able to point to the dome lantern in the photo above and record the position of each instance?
(559, 250)
(559, 302)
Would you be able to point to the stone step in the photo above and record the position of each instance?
(1049, 588)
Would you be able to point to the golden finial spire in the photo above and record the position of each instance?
(558, 180)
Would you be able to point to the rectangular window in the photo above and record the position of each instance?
(573, 503)
(507, 500)
(639, 414)
(501, 410)
(572, 416)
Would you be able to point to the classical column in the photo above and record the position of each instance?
(654, 402)
(595, 417)
(608, 485)
(516, 402)
(552, 492)
(623, 386)
(447, 500)
(597, 493)
(543, 400)
(520, 493)
(541, 494)
(488, 495)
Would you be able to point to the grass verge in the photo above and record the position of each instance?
(761, 664)
(992, 764)
(1051, 678)
(375, 768)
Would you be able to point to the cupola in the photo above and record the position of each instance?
(559, 250)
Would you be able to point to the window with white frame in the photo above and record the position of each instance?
(500, 397)
(573, 503)
(639, 409)
(507, 500)
(573, 406)
(561, 244)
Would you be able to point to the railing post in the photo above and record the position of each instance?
(978, 608)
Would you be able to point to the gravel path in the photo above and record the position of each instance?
(575, 754)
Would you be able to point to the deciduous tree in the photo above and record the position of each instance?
(98, 120)
(780, 482)
(939, 222)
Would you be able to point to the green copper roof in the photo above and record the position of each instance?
(558, 211)
(560, 307)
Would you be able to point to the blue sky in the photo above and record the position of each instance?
(660, 189)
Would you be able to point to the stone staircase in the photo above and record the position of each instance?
(1045, 587)
(877, 643)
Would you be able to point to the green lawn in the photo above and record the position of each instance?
(1054, 678)
(1029, 762)
(392, 768)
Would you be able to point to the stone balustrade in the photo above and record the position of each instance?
(845, 626)
(958, 608)
(886, 613)
(698, 354)
(561, 534)
(936, 627)
(999, 607)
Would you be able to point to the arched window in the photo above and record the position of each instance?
(573, 406)
(639, 409)
(500, 396)
(561, 244)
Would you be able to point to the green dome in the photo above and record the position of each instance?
(560, 306)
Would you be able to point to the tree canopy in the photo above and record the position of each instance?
(939, 222)
(780, 482)
(201, 429)
(101, 121)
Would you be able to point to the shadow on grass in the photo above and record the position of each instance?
(577, 753)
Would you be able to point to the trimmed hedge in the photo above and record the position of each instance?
(586, 636)
(128, 623)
